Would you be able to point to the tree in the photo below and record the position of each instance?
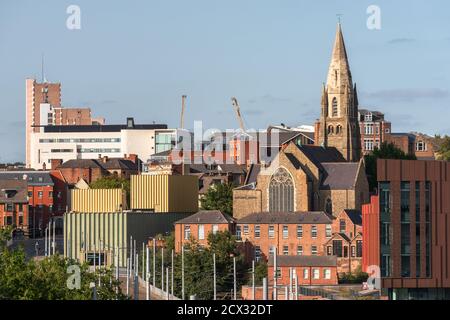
(113, 182)
(219, 197)
(386, 151)
(260, 272)
(443, 149)
(47, 279)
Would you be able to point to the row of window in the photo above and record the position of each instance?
(98, 150)
(9, 207)
(338, 129)
(370, 144)
(79, 140)
(285, 250)
(40, 194)
(8, 220)
(337, 249)
(285, 231)
(326, 273)
(200, 231)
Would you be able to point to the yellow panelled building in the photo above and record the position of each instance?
(164, 193)
(97, 200)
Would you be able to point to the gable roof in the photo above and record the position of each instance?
(319, 155)
(207, 217)
(308, 217)
(109, 164)
(355, 216)
(305, 261)
(33, 178)
(339, 176)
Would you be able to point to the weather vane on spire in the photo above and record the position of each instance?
(339, 16)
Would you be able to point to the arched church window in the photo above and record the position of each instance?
(339, 129)
(328, 206)
(334, 106)
(281, 192)
(330, 129)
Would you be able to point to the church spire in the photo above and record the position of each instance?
(339, 71)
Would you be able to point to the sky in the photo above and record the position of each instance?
(137, 58)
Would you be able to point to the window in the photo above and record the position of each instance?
(50, 194)
(40, 193)
(345, 251)
(20, 220)
(421, 146)
(377, 129)
(316, 274)
(257, 253)
(328, 230)
(50, 208)
(30, 194)
(329, 250)
(305, 273)
(387, 130)
(8, 220)
(285, 232)
(334, 106)
(285, 250)
(337, 248)
(405, 229)
(339, 129)
(257, 231)
(281, 192)
(187, 232)
(9, 207)
(359, 249)
(368, 128)
(314, 231)
(271, 231)
(327, 274)
(278, 273)
(299, 250)
(271, 250)
(20, 208)
(353, 251)
(368, 117)
(299, 231)
(215, 228)
(330, 129)
(368, 144)
(313, 250)
(342, 226)
(201, 232)
(246, 229)
(328, 206)
(238, 233)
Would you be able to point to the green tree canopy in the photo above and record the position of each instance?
(219, 197)
(443, 149)
(385, 151)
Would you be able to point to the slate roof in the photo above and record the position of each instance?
(110, 164)
(354, 215)
(219, 168)
(252, 174)
(339, 176)
(34, 178)
(305, 261)
(207, 217)
(13, 191)
(319, 155)
(311, 217)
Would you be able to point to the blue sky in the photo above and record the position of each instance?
(136, 58)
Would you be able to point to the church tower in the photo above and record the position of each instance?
(338, 126)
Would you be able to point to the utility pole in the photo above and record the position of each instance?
(167, 282)
(154, 262)
(147, 275)
(117, 263)
(182, 272)
(290, 283)
(45, 242)
(54, 237)
(296, 285)
(162, 268)
(143, 261)
(171, 289)
(275, 274)
(128, 276)
(214, 267)
(131, 252)
(253, 279)
(234, 278)
(265, 293)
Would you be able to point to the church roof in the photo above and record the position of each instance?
(318, 154)
(339, 176)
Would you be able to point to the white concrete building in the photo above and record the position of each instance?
(89, 141)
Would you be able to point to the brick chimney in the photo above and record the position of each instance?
(56, 163)
(105, 159)
(132, 157)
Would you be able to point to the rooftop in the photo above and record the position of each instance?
(308, 217)
(207, 217)
(305, 261)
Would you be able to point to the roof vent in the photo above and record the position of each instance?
(130, 123)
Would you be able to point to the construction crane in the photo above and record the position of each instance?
(183, 107)
(238, 113)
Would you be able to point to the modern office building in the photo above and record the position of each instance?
(70, 142)
(414, 223)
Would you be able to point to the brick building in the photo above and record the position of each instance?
(303, 178)
(293, 233)
(46, 192)
(374, 129)
(91, 170)
(199, 225)
(14, 204)
(414, 209)
(310, 270)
